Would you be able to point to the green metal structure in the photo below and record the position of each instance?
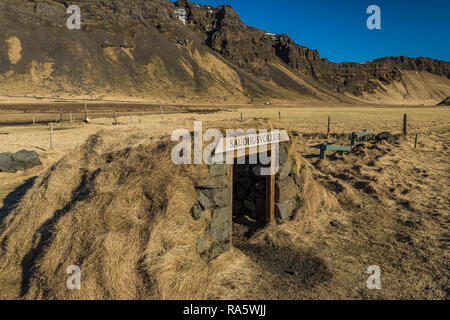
(357, 135)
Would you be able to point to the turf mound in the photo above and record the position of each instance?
(118, 208)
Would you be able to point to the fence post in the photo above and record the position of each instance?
(405, 123)
(131, 118)
(279, 115)
(415, 142)
(71, 118)
(328, 128)
(51, 135)
(162, 113)
(86, 116)
(34, 121)
(60, 115)
(115, 118)
(353, 139)
(242, 117)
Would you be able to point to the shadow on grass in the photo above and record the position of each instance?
(293, 268)
(28, 263)
(12, 199)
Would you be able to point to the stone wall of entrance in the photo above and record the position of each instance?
(286, 188)
(213, 198)
(213, 201)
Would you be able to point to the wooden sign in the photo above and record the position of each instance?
(250, 140)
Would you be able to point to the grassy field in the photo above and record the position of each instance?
(306, 119)
(397, 215)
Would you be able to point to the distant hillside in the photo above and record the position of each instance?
(178, 52)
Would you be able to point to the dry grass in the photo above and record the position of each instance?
(101, 203)
(118, 208)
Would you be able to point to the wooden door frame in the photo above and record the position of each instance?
(270, 189)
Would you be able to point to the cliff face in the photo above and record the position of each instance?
(251, 49)
(177, 52)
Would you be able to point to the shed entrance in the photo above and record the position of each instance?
(252, 202)
(249, 189)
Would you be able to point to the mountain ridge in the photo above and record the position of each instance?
(184, 52)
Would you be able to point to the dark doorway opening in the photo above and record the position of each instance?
(249, 200)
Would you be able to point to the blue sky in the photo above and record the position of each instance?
(337, 28)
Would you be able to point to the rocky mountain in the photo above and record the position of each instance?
(163, 51)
